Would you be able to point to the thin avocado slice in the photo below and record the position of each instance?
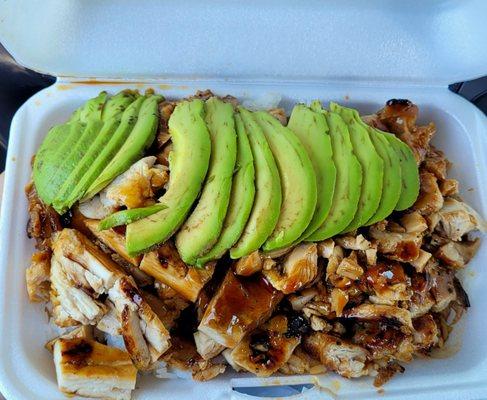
(268, 197)
(46, 161)
(298, 182)
(189, 162)
(139, 139)
(126, 217)
(311, 128)
(116, 141)
(92, 109)
(372, 167)
(391, 187)
(113, 111)
(409, 172)
(203, 227)
(241, 197)
(348, 181)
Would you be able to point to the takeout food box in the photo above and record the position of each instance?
(359, 54)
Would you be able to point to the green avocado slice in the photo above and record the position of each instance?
(92, 110)
(409, 172)
(298, 182)
(47, 161)
(116, 141)
(189, 162)
(139, 139)
(371, 163)
(113, 110)
(241, 197)
(348, 181)
(267, 202)
(311, 128)
(203, 227)
(126, 217)
(391, 187)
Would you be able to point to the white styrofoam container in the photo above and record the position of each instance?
(326, 50)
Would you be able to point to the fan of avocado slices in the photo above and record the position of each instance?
(240, 180)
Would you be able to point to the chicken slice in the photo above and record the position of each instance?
(249, 265)
(266, 349)
(136, 187)
(90, 369)
(414, 222)
(97, 207)
(110, 322)
(397, 246)
(442, 286)
(166, 266)
(206, 346)
(422, 300)
(113, 240)
(354, 242)
(458, 254)
(426, 333)
(436, 163)
(430, 199)
(458, 218)
(376, 312)
(239, 305)
(299, 269)
(37, 277)
(341, 356)
(145, 336)
(81, 332)
(388, 282)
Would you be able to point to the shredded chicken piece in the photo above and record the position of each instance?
(375, 312)
(341, 356)
(302, 363)
(298, 269)
(457, 219)
(354, 242)
(267, 349)
(37, 277)
(449, 187)
(436, 163)
(110, 322)
(397, 246)
(88, 368)
(249, 265)
(145, 336)
(98, 207)
(421, 300)
(136, 187)
(350, 268)
(430, 199)
(206, 346)
(458, 254)
(338, 300)
(325, 248)
(426, 333)
(44, 222)
(442, 286)
(414, 222)
(299, 300)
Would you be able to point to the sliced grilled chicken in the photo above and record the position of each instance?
(376, 312)
(388, 283)
(145, 336)
(267, 348)
(81, 332)
(96, 207)
(239, 305)
(299, 269)
(37, 276)
(249, 265)
(112, 239)
(206, 346)
(110, 322)
(402, 247)
(457, 219)
(458, 254)
(166, 266)
(430, 199)
(341, 356)
(88, 368)
(136, 187)
(426, 333)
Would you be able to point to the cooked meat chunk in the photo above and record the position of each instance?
(325, 248)
(113, 240)
(206, 346)
(384, 341)
(420, 263)
(208, 371)
(173, 302)
(421, 300)
(110, 322)
(350, 268)
(457, 219)
(354, 242)
(166, 266)
(37, 276)
(137, 186)
(377, 312)
(430, 199)
(397, 246)
(426, 332)
(249, 265)
(338, 300)
(388, 283)
(267, 349)
(239, 305)
(385, 373)
(98, 207)
(145, 337)
(339, 355)
(299, 269)
(43, 220)
(436, 163)
(414, 222)
(442, 286)
(458, 254)
(87, 368)
(81, 332)
(299, 300)
(449, 187)
(301, 363)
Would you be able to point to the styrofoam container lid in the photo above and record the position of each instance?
(433, 42)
